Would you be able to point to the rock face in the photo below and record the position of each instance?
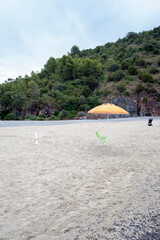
(127, 104)
(35, 110)
(138, 105)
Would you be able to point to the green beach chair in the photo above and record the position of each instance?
(101, 139)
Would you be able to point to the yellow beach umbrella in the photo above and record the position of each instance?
(108, 108)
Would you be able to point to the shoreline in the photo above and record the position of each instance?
(20, 123)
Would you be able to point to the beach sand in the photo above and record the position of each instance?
(71, 187)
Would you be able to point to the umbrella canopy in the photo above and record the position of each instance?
(108, 109)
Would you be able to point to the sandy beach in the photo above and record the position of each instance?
(71, 187)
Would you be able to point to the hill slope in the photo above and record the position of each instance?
(126, 73)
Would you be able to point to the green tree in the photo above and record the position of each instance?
(82, 100)
(45, 101)
(50, 66)
(18, 101)
(33, 90)
(89, 67)
(131, 35)
(92, 101)
(86, 91)
(75, 50)
(91, 82)
(35, 78)
(150, 45)
(71, 103)
(60, 65)
(6, 101)
(68, 70)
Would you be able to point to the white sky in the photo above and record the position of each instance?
(31, 31)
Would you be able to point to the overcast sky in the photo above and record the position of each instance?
(31, 31)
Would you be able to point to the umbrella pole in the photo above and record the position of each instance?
(107, 126)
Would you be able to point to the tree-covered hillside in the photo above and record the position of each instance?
(126, 72)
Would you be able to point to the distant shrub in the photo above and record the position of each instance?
(149, 45)
(86, 91)
(158, 97)
(140, 74)
(152, 90)
(158, 61)
(1, 115)
(121, 87)
(106, 92)
(40, 118)
(149, 63)
(128, 78)
(20, 118)
(82, 100)
(80, 114)
(91, 82)
(156, 32)
(113, 67)
(146, 89)
(10, 116)
(73, 112)
(132, 70)
(84, 107)
(104, 56)
(118, 75)
(154, 69)
(110, 77)
(124, 65)
(140, 62)
(93, 101)
(30, 117)
(87, 108)
(42, 115)
(56, 112)
(131, 35)
(126, 93)
(63, 114)
(139, 88)
(146, 77)
(144, 100)
(71, 115)
(52, 117)
(134, 59)
(156, 51)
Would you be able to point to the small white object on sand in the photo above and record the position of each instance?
(36, 137)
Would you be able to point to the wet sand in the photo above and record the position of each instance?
(71, 187)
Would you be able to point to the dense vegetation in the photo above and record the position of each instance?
(83, 79)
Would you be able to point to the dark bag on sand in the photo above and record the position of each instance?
(150, 122)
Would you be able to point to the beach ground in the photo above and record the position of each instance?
(71, 187)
